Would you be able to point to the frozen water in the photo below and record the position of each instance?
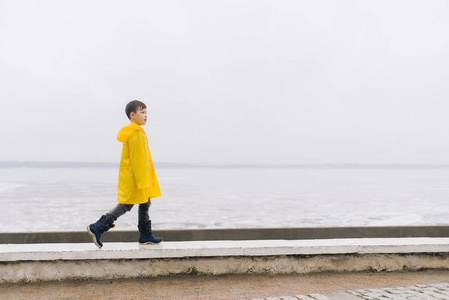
(69, 199)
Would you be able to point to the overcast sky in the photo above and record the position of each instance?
(258, 82)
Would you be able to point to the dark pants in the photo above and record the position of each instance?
(121, 209)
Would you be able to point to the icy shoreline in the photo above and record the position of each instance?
(67, 199)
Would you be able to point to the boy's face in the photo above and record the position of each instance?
(140, 116)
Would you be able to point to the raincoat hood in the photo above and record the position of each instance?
(126, 131)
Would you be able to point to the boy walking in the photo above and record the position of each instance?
(137, 182)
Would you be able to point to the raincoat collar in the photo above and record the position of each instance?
(126, 131)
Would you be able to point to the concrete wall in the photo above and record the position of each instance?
(31, 271)
(44, 262)
(233, 234)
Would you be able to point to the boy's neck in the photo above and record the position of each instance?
(135, 123)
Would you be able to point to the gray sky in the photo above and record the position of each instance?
(269, 82)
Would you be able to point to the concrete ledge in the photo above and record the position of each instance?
(36, 252)
(42, 262)
(232, 234)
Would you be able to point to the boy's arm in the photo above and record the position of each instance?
(138, 160)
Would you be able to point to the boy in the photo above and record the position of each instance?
(137, 182)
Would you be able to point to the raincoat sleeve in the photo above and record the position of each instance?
(138, 160)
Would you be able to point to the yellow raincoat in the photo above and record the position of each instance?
(137, 179)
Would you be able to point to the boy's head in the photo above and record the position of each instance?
(136, 111)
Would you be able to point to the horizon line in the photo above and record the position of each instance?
(73, 164)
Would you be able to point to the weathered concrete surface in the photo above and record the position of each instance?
(233, 234)
(332, 285)
(30, 271)
(43, 262)
(30, 252)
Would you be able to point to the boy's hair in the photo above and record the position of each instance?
(133, 106)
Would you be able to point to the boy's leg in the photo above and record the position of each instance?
(146, 234)
(119, 210)
(144, 215)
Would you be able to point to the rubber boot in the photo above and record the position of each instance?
(98, 228)
(146, 235)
